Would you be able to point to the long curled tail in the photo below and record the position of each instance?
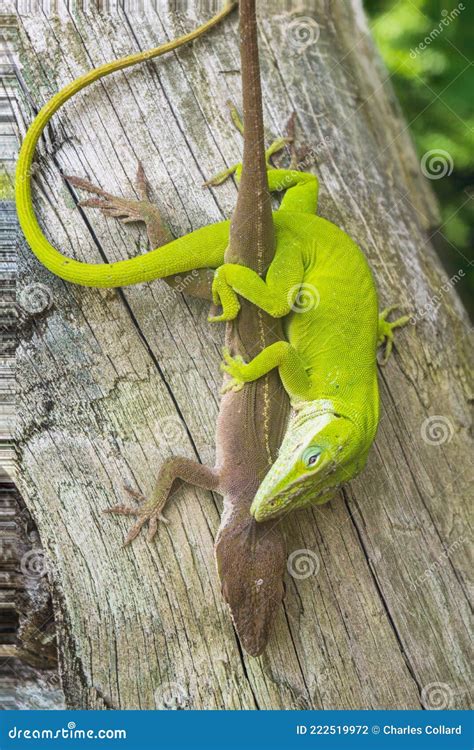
(97, 275)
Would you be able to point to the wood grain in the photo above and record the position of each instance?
(112, 382)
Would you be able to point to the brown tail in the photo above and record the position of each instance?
(251, 560)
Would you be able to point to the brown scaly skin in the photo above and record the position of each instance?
(130, 211)
(251, 557)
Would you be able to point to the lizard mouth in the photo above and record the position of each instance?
(267, 511)
(266, 507)
(269, 502)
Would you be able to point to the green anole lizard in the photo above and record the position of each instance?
(328, 367)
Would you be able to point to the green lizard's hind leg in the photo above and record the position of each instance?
(173, 471)
(291, 368)
(385, 330)
(199, 283)
(276, 294)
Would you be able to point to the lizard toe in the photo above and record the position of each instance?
(232, 386)
(121, 510)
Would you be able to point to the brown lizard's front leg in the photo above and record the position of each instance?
(128, 211)
(173, 471)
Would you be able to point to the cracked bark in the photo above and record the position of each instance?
(112, 382)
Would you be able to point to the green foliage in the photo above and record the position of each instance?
(426, 48)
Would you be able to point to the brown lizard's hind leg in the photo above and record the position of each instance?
(300, 188)
(198, 283)
(277, 145)
(127, 210)
(299, 155)
(173, 471)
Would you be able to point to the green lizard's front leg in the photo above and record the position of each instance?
(301, 187)
(291, 368)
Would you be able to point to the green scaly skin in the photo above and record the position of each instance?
(201, 249)
(321, 282)
(328, 364)
(250, 557)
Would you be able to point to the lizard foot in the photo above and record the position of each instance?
(233, 366)
(126, 210)
(149, 512)
(224, 295)
(385, 330)
(300, 156)
(278, 145)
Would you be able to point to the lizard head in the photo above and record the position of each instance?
(320, 451)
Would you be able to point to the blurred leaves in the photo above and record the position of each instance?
(426, 46)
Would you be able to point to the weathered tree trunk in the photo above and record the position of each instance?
(112, 382)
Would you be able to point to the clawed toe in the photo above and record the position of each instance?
(231, 359)
(400, 322)
(232, 365)
(221, 177)
(152, 518)
(217, 318)
(126, 211)
(223, 317)
(233, 386)
(138, 496)
(121, 510)
(149, 514)
(83, 184)
(386, 329)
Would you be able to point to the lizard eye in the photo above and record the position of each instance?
(311, 456)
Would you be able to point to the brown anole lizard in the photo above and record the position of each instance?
(250, 556)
